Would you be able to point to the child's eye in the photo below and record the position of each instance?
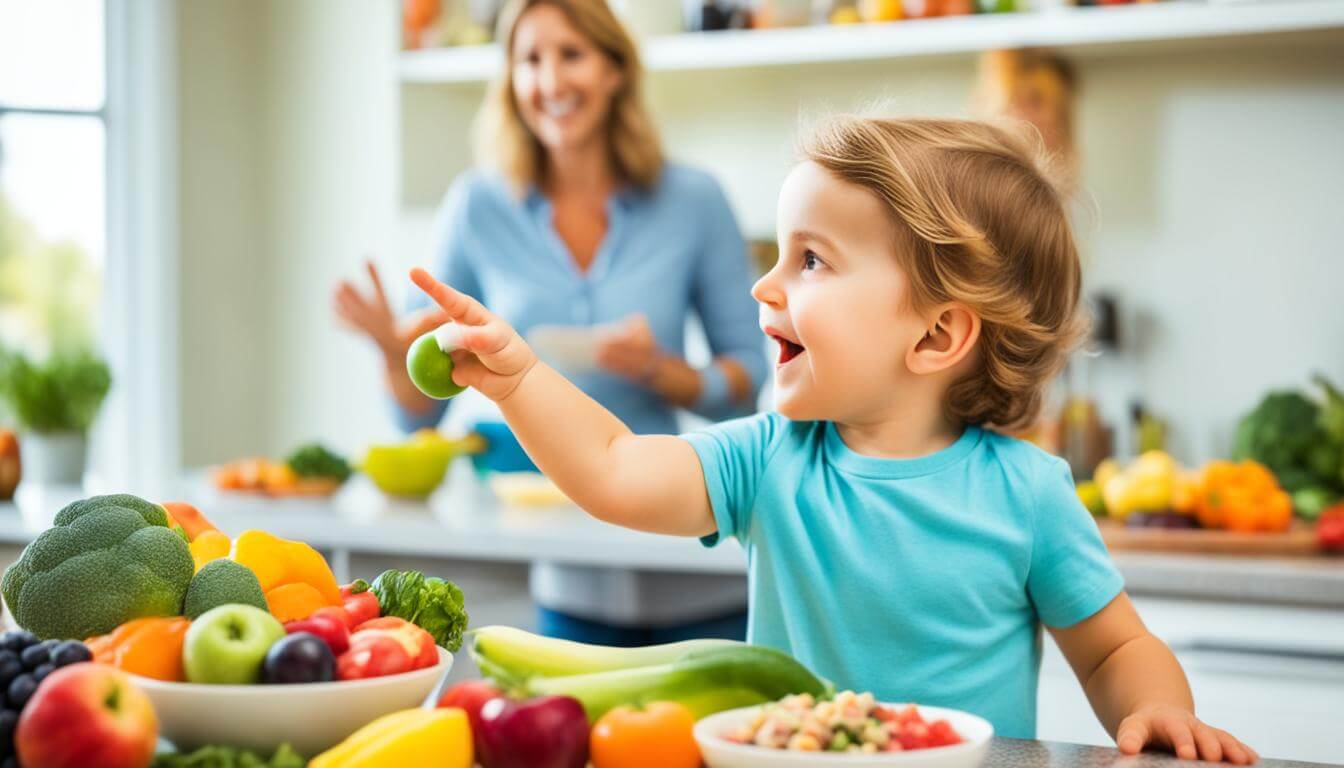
(811, 261)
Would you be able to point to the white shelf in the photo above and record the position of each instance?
(1078, 29)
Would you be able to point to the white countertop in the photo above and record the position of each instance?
(463, 520)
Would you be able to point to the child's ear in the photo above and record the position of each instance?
(951, 336)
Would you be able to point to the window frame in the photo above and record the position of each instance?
(140, 442)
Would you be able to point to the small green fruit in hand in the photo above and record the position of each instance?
(431, 368)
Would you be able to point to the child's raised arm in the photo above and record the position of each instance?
(649, 482)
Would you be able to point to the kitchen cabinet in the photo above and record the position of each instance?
(1272, 675)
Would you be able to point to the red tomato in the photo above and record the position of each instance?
(372, 654)
(362, 606)
(659, 736)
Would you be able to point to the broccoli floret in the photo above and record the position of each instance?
(314, 460)
(102, 564)
(1280, 432)
(151, 512)
(221, 582)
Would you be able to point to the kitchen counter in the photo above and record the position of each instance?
(464, 521)
(1017, 753)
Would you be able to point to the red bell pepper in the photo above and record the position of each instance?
(360, 602)
(1330, 529)
(418, 644)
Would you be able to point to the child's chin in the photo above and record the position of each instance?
(797, 408)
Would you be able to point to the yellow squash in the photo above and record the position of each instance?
(427, 738)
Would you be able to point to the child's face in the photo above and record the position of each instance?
(836, 301)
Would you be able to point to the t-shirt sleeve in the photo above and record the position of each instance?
(1071, 576)
(733, 455)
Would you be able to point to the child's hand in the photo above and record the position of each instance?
(491, 357)
(1172, 728)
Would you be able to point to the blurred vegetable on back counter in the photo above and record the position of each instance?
(1301, 440)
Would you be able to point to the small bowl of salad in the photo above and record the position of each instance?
(850, 729)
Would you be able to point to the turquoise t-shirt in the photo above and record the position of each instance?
(920, 580)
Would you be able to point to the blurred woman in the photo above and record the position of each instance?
(577, 220)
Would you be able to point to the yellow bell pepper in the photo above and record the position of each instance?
(429, 738)
(280, 565)
(210, 545)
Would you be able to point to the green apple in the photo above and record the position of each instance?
(431, 368)
(227, 644)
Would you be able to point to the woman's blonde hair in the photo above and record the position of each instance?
(504, 141)
(979, 223)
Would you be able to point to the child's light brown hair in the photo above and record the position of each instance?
(981, 224)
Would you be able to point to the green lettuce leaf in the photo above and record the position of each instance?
(433, 604)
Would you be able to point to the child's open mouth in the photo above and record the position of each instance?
(787, 350)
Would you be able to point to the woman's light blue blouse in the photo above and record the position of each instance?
(669, 252)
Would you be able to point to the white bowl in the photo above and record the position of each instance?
(719, 752)
(310, 716)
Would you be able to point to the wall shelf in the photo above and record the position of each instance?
(1111, 29)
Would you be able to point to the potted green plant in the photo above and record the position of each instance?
(54, 403)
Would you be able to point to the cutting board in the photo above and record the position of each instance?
(1299, 541)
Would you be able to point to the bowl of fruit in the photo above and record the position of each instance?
(256, 675)
(412, 469)
(244, 641)
(255, 684)
(848, 730)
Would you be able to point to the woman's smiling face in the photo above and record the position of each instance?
(563, 84)
(836, 301)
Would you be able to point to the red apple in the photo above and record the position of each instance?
(87, 714)
(546, 732)
(470, 697)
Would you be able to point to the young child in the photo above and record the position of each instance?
(927, 287)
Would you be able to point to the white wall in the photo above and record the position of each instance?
(1216, 177)
(332, 177)
(226, 314)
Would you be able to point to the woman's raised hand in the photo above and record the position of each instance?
(371, 315)
(490, 356)
(630, 349)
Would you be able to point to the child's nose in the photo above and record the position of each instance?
(766, 290)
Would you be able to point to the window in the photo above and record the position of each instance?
(53, 219)
(88, 155)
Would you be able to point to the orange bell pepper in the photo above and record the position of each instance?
(192, 522)
(1242, 497)
(149, 647)
(292, 602)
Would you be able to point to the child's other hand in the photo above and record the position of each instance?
(1178, 730)
(491, 357)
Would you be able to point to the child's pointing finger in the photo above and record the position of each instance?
(459, 306)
